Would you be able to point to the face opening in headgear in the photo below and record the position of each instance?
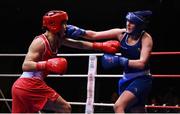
(54, 19)
(139, 18)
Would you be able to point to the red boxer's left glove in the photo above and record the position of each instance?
(111, 46)
(55, 65)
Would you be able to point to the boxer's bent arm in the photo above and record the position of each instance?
(34, 54)
(108, 34)
(147, 45)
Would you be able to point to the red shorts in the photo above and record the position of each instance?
(30, 95)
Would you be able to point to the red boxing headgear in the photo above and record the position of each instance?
(52, 20)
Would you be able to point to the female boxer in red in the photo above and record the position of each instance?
(30, 93)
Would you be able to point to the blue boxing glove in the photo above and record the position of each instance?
(110, 61)
(74, 32)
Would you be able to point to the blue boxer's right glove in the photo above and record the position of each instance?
(74, 32)
(110, 61)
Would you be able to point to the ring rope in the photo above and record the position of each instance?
(97, 54)
(164, 106)
(9, 108)
(73, 103)
(165, 53)
(97, 75)
(70, 55)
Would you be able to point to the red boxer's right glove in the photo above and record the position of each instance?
(55, 65)
(111, 46)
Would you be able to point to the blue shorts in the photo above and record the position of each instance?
(139, 86)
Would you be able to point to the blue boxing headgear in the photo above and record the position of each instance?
(139, 19)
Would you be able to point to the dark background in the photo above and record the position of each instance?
(21, 21)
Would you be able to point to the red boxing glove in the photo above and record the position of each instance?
(111, 46)
(55, 65)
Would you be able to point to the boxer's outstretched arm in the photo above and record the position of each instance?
(111, 46)
(108, 34)
(75, 32)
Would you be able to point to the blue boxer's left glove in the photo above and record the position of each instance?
(110, 61)
(74, 31)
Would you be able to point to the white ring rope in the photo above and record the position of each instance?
(70, 55)
(97, 75)
(70, 75)
(72, 103)
(9, 108)
(97, 54)
(111, 104)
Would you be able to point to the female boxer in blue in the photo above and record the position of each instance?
(136, 47)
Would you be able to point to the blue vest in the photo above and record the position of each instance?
(132, 52)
